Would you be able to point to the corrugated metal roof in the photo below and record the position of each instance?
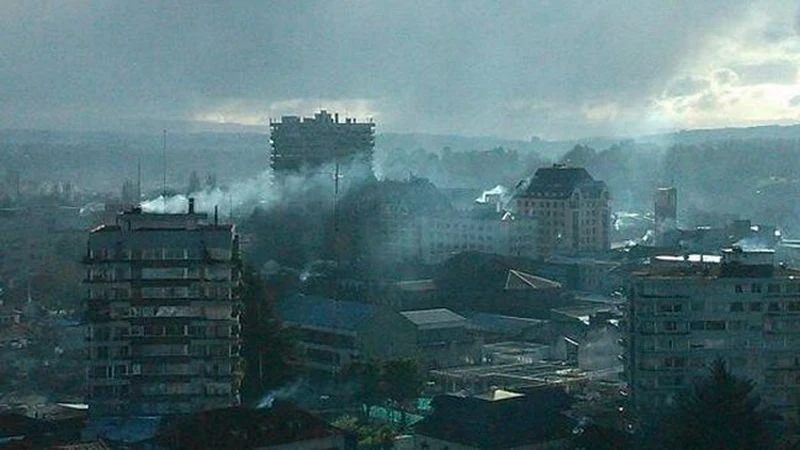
(433, 317)
(325, 312)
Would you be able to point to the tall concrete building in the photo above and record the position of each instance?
(687, 311)
(665, 208)
(311, 142)
(163, 334)
(572, 210)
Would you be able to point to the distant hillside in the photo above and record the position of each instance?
(788, 132)
(102, 161)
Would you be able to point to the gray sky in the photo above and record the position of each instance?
(556, 69)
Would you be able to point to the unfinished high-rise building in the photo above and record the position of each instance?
(163, 326)
(310, 142)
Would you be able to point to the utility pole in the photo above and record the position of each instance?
(164, 153)
(138, 181)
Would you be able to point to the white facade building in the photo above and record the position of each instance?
(486, 231)
(686, 312)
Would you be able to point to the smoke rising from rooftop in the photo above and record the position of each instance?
(241, 197)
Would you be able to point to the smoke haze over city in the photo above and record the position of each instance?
(400, 224)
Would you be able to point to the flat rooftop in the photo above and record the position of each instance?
(434, 318)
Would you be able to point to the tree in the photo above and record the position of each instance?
(400, 380)
(268, 346)
(721, 412)
(365, 378)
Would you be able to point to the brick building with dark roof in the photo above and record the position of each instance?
(571, 207)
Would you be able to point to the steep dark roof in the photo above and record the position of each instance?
(416, 196)
(325, 312)
(558, 181)
(499, 323)
(518, 280)
(484, 422)
(240, 428)
(18, 425)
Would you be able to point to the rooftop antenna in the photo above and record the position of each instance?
(164, 152)
(138, 180)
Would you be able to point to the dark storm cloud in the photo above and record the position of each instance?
(444, 66)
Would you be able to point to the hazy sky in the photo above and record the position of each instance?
(555, 69)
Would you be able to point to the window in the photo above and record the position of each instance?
(755, 306)
(736, 307)
(670, 325)
(100, 372)
(755, 288)
(102, 352)
(670, 380)
(738, 288)
(676, 362)
(774, 288)
(670, 307)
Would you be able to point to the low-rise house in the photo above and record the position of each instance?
(498, 285)
(47, 430)
(333, 334)
(497, 420)
(15, 336)
(281, 425)
(443, 338)
(9, 315)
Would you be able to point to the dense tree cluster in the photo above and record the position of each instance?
(393, 382)
(721, 412)
(268, 346)
(474, 168)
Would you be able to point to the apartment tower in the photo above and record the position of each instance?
(310, 142)
(163, 334)
(687, 311)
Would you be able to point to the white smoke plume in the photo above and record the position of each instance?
(258, 190)
(289, 391)
(261, 191)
